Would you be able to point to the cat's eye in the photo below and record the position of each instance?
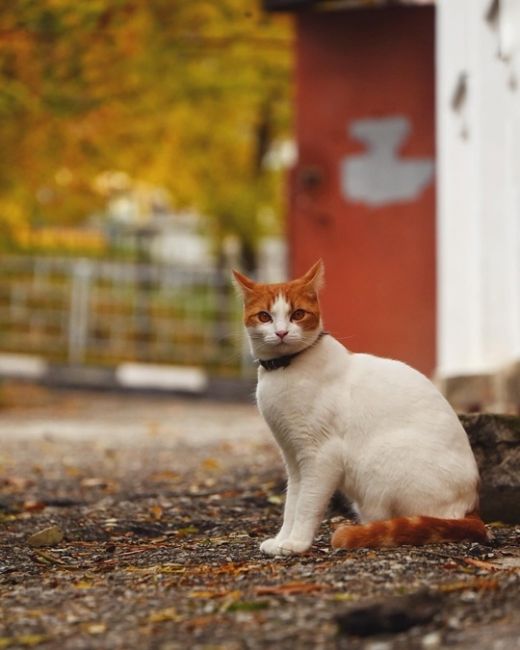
(264, 317)
(298, 314)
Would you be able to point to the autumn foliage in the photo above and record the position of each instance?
(187, 95)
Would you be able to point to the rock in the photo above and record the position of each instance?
(431, 640)
(391, 615)
(46, 537)
(495, 440)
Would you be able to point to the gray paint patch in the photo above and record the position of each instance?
(379, 177)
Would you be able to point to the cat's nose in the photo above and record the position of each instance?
(281, 333)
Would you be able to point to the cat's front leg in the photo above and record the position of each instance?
(319, 479)
(272, 546)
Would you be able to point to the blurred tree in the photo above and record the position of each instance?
(189, 95)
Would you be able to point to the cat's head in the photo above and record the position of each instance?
(283, 318)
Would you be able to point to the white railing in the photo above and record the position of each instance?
(90, 312)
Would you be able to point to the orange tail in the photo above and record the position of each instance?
(414, 531)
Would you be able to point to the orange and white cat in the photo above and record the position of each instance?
(374, 428)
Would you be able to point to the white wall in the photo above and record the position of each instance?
(478, 142)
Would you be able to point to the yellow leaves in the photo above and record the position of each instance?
(164, 615)
(205, 594)
(50, 536)
(194, 79)
(344, 597)
(230, 598)
(23, 640)
(83, 584)
(50, 239)
(210, 464)
(290, 588)
(95, 628)
(477, 584)
(247, 605)
(93, 482)
(157, 569)
(153, 429)
(480, 564)
(72, 471)
(187, 530)
(157, 512)
(164, 476)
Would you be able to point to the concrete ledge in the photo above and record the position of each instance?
(151, 376)
(79, 377)
(137, 377)
(22, 366)
(497, 392)
(495, 440)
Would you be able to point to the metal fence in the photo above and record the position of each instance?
(83, 312)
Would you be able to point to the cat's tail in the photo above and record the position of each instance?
(414, 531)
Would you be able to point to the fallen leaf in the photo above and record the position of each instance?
(153, 429)
(92, 482)
(480, 564)
(248, 605)
(18, 483)
(188, 530)
(477, 584)
(162, 615)
(200, 621)
(342, 597)
(34, 506)
(72, 471)
(96, 628)
(164, 475)
(230, 599)
(157, 512)
(24, 640)
(290, 588)
(204, 594)
(48, 558)
(157, 569)
(210, 464)
(47, 537)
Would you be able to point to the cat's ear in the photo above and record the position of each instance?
(315, 276)
(244, 284)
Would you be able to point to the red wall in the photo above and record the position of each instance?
(379, 256)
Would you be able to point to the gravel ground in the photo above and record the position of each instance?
(162, 504)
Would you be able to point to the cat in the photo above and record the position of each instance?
(373, 428)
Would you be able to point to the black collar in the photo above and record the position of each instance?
(283, 362)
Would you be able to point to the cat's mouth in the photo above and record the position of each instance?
(283, 343)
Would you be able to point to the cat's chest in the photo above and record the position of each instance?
(284, 388)
(293, 405)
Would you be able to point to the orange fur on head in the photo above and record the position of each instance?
(301, 293)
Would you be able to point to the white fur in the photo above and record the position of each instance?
(265, 344)
(374, 428)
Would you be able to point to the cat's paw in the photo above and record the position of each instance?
(271, 546)
(293, 546)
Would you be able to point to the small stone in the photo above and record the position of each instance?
(46, 537)
(453, 623)
(379, 645)
(468, 597)
(431, 640)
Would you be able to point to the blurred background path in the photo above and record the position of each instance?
(126, 419)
